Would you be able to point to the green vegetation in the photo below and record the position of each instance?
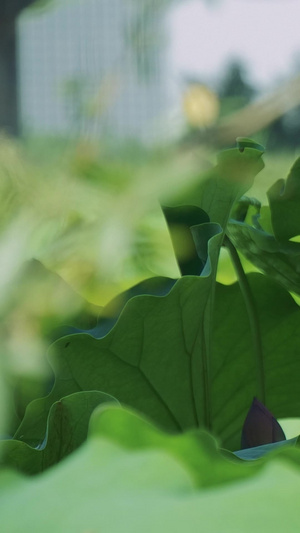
(139, 424)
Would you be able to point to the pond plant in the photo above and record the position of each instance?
(163, 416)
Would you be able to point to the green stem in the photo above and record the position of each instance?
(206, 362)
(252, 316)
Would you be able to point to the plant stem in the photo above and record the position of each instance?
(206, 362)
(252, 316)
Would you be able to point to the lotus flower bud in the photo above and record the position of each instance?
(260, 427)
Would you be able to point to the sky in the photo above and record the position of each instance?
(265, 34)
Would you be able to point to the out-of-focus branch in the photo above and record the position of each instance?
(257, 115)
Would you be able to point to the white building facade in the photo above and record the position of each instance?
(93, 68)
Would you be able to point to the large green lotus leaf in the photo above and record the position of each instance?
(214, 198)
(192, 447)
(74, 495)
(67, 426)
(157, 356)
(196, 448)
(284, 200)
(104, 487)
(152, 360)
(158, 286)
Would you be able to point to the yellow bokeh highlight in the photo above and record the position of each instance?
(201, 106)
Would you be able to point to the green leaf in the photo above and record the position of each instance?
(67, 426)
(227, 182)
(180, 219)
(245, 142)
(157, 357)
(196, 449)
(106, 487)
(234, 373)
(279, 260)
(284, 199)
(158, 286)
(251, 454)
(151, 360)
(262, 235)
(155, 338)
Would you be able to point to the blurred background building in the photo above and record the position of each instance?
(148, 70)
(90, 67)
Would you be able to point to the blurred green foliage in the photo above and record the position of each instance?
(80, 216)
(80, 223)
(129, 477)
